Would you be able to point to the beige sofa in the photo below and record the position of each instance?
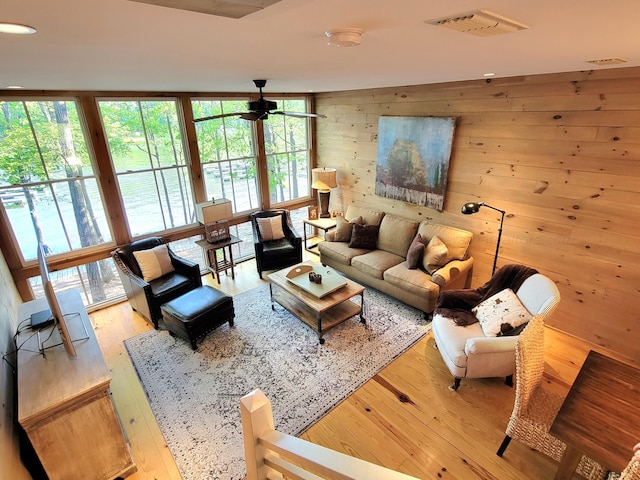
(385, 268)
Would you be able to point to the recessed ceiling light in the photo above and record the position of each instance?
(16, 28)
(14, 87)
(488, 74)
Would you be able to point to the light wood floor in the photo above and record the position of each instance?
(404, 418)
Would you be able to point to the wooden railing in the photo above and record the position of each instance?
(271, 455)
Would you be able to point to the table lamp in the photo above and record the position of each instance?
(473, 207)
(323, 180)
(214, 216)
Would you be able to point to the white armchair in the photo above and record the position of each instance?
(468, 353)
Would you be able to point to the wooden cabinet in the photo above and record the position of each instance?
(64, 403)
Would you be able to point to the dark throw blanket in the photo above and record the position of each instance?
(457, 304)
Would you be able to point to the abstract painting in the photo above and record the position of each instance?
(413, 159)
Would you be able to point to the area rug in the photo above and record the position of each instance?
(195, 396)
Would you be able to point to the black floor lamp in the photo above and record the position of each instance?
(473, 207)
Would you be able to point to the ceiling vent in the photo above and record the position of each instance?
(481, 22)
(608, 61)
(221, 8)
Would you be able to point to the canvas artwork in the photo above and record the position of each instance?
(413, 159)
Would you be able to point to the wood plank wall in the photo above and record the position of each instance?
(559, 152)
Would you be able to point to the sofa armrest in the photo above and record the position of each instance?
(484, 345)
(451, 271)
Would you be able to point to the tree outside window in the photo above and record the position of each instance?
(47, 183)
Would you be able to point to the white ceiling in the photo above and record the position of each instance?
(125, 45)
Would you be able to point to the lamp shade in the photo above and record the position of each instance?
(472, 207)
(323, 178)
(209, 212)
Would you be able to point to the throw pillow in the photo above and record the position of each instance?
(344, 228)
(364, 236)
(435, 255)
(501, 313)
(154, 262)
(415, 252)
(270, 228)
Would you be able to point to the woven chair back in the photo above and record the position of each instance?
(529, 362)
(632, 472)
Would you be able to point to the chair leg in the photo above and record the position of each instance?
(509, 380)
(456, 384)
(503, 445)
(428, 316)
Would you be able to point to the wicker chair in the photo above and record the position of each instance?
(632, 472)
(535, 408)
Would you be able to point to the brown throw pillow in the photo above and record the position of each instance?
(364, 236)
(415, 252)
(435, 255)
(344, 228)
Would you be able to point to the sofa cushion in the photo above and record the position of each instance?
(501, 313)
(376, 262)
(415, 252)
(364, 236)
(416, 282)
(369, 216)
(339, 252)
(154, 262)
(435, 255)
(344, 228)
(396, 234)
(456, 239)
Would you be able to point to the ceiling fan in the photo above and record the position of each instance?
(260, 109)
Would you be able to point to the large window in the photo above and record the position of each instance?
(287, 148)
(58, 157)
(145, 142)
(227, 153)
(47, 183)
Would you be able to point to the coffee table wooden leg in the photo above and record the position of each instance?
(568, 464)
(271, 295)
(320, 332)
(362, 319)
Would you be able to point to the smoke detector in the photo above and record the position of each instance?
(344, 37)
(480, 22)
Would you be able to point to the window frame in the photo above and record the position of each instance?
(87, 107)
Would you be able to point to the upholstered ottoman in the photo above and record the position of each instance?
(197, 312)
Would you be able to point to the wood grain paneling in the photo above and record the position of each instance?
(559, 152)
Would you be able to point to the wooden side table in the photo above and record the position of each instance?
(223, 264)
(324, 224)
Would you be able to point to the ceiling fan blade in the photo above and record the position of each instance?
(213, 117)
(254, 116)
(300, 114)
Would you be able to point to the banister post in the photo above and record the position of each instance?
(257, 420)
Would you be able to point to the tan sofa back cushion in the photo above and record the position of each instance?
(396, 234)
(456, 239)
(369, 216)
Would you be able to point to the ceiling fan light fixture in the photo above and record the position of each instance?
(344, 37)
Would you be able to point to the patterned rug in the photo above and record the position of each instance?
(195, 395)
